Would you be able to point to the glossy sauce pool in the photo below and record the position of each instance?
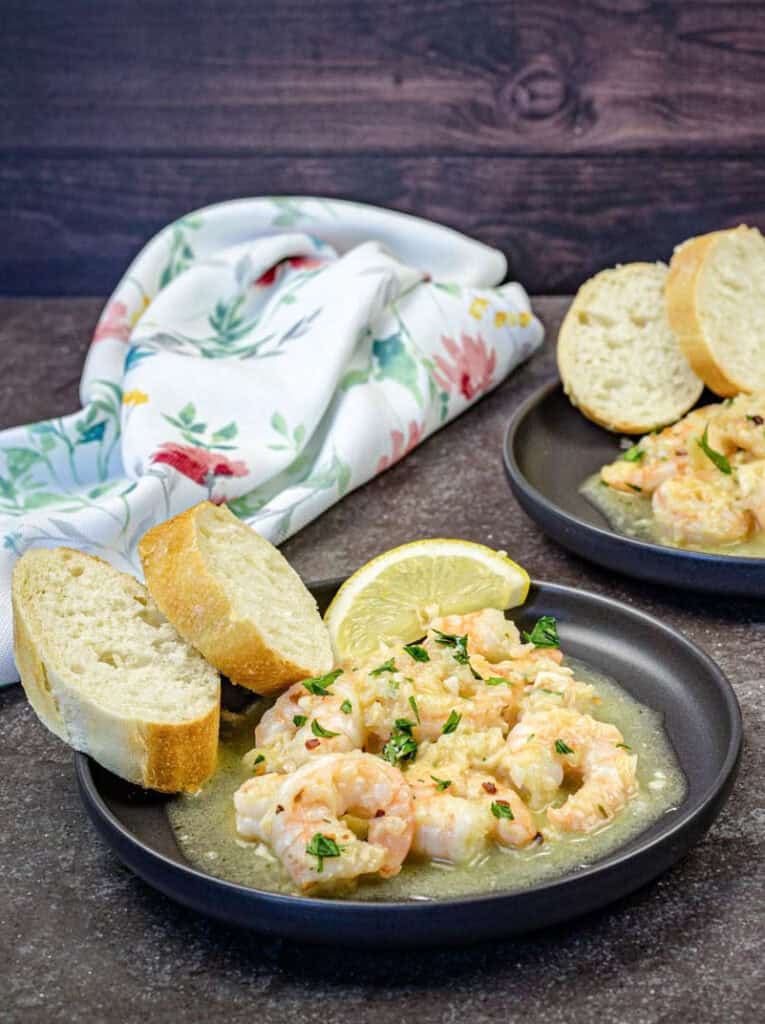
(204, 823)
(631, 515)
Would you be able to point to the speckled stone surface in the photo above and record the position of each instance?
(82, 940)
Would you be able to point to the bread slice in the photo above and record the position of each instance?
(109, 675)
(619, 361)
(716, 306)
(235, 598)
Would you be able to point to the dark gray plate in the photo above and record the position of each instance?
(550, 449)
(656, 664)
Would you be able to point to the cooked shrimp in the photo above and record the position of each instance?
(528, 661)
(642, 476)
(512, 825)
(463, 751)
(490, 707)
(700, 509)
(293, 730)
(558, 689)
(751, 482)
(255, 802)
(309, 836)
(448, 828)
(530, 762)
(581, 747)
(658, 457)
(458, 813)
(488, 632)
(741, 424)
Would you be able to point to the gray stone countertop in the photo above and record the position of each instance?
(83, 940)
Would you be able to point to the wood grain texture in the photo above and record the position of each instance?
(352, 76)
(570, 135)
(76, 223)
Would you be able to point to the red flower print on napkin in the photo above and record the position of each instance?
(470, 367)
(198, 464)
(114, 323)
(400, 447)
(295, 262)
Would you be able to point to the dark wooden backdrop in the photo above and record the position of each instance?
(570, 134)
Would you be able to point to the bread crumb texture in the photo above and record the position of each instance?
(619, 360)
(106, 671)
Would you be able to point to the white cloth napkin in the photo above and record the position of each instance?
(274, 353)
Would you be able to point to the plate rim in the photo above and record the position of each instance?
(94, 802)
(605, 534)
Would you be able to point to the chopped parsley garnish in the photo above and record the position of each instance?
(544, 633)
(318, 730)
(402, 746)
(624, 746)
(451, 723)
(346, 707)
(497, 681)
(634, 487)
(502, 809)
(441, 784)
(415, 709)
(553, 693)
(299, 720)
(561, 747)
(634, 454)
(319, 686)
(417, 651)
(716, 457)
(387, 666)
(452, 640)
(459, 648)
(602, 810)
(321, 847)
(258, 760)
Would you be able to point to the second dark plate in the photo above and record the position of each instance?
(550, 449)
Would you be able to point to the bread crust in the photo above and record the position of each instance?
(181, 758)
(620, 426)
(165, 756)
(682, 310)
(196, 603)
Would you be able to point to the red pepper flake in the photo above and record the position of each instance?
(380, 813)
(491, 788)
(311, 744)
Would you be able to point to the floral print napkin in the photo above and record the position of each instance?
(270, 353)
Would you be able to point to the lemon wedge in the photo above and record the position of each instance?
(393, 597)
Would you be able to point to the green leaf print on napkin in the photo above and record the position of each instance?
(181, 254)
(394, 362)
(193, 430)
(289, 442)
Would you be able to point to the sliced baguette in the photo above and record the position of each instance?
(619, 361)
(235, 598)
(107, 673)
(716, 306)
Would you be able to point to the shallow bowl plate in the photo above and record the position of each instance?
(653, 662)
(550, 450)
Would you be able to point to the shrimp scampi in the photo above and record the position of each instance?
(470, 739)
(704, 477)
